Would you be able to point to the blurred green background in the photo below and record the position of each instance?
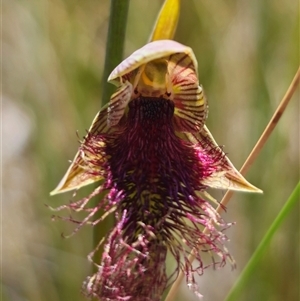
(53, 58)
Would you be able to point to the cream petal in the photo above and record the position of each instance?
(149, 52)
(78, 174)
(226, 176)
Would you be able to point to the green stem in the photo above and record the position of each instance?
(235, 292)
(113, 56)
(114, 43)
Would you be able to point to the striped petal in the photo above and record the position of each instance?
(118, 102)
(190, 103)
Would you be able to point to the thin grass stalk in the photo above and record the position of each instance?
(236, 290)
(266, 134)
(251, 158)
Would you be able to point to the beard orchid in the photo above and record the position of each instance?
(154, 158)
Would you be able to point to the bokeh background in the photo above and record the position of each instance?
(53, 58)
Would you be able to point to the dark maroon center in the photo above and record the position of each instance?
(153, 168)
(147, 110)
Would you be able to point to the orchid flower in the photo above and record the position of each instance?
(154, 158)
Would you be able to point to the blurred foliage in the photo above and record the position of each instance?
(248, 52)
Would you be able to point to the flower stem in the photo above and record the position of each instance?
(251, 158)
(114, 43)
(113, 56)
(236, 290)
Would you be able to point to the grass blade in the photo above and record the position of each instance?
(236, 290)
